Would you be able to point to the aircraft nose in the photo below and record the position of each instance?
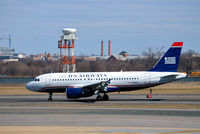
(30, 86)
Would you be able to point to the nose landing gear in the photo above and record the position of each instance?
(50, 96)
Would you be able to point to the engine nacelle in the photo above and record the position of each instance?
(74, 93)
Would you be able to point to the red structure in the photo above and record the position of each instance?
(66, 44)
(60, 47)
(109, 48)
(102, 48)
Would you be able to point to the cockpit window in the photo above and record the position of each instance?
(37, 80)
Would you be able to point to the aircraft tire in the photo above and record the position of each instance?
(49, 99)
(105, 97)
(99, 98)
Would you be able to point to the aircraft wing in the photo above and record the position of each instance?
(99, 87)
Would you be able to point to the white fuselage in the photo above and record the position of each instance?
(85, 84)
(119, 81)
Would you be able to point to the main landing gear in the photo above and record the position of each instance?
(149, 96)
(50, 96)
(105, 97)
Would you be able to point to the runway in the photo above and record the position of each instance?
(123, 113)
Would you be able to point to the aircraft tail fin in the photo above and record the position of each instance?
(169, 62)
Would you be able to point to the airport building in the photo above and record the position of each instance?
(5, 51)
(7, 54)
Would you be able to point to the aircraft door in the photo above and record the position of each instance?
(147, 78)
(48, 80)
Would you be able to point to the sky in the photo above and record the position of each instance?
(134, 26)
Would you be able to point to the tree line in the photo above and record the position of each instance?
(188, 63)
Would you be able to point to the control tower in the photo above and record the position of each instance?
(66, 46)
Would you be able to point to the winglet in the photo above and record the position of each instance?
(169, 62)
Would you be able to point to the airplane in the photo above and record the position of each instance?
(86, 84)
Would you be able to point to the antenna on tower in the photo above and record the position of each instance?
(9, 38)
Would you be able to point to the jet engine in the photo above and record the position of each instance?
(74, 93)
